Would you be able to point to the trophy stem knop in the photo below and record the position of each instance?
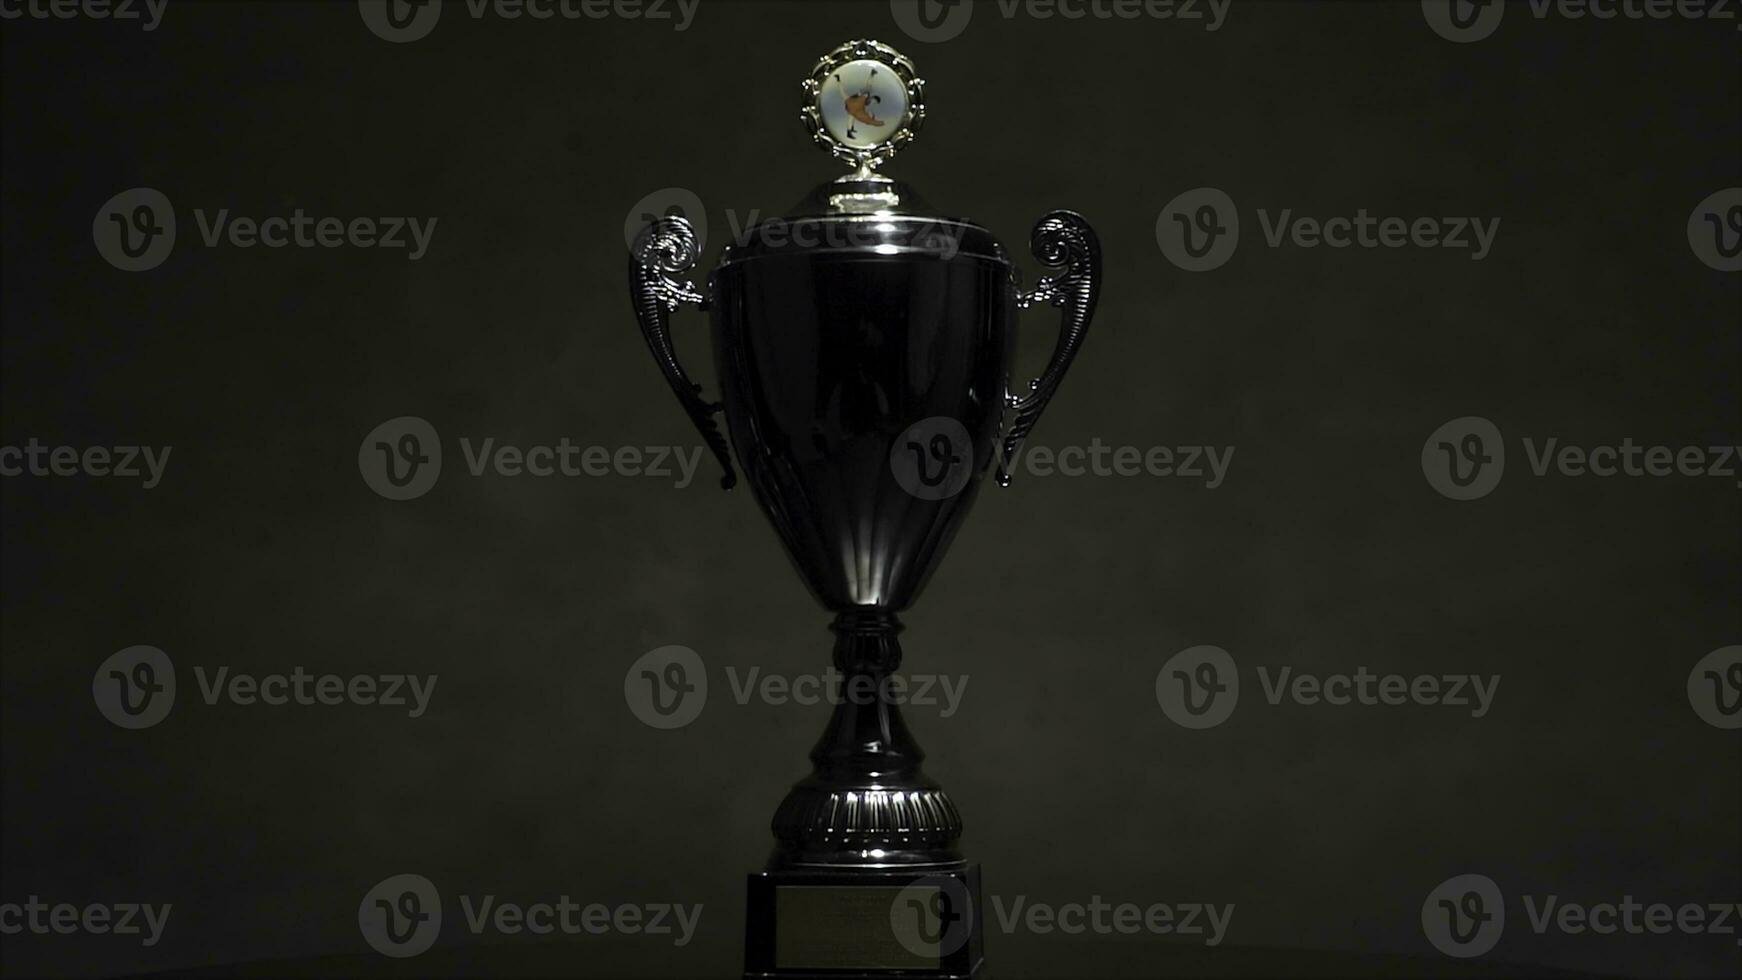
(867, 802)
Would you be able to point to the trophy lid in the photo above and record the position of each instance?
(863, 102)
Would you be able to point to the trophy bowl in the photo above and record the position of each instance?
(864, 346)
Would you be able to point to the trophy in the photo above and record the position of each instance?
(864, 351)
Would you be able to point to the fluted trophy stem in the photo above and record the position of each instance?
(867, 802)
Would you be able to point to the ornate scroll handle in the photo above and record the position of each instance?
(1061, 240)
(666, 248)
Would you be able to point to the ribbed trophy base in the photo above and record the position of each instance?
(864, 924)
(866, 879)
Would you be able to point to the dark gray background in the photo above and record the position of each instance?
(1325, 550)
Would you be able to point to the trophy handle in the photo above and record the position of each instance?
(665, 248)
(1063, 241)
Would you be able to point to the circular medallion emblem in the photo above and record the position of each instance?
(863, 102)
